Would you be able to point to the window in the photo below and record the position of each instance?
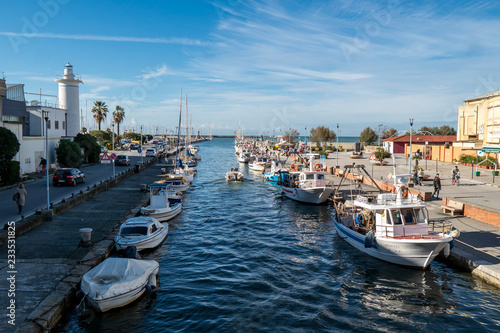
(396, 217)
(63, 125)
(56, 124)
(48, 123)
(419, 216)
(408, 215)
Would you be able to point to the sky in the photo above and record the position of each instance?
(266, 66)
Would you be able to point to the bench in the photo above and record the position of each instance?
(22, 178)
(455, 207)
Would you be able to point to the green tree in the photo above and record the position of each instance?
(389, 133)
(368, 136)
(9, 145)
(101, 135)
(132, 136)
(100, 111)
(91, 149)
(443, 130)
(69, 154)
(118, 116)
(291, 135)
(322, 133)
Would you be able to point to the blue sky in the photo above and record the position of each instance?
(267, 65)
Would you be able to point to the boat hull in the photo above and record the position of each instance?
(162, 214)
(118, 301)
(315, 196)
(416, 253)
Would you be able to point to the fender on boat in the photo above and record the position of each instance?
(446, 250)
(369, 238)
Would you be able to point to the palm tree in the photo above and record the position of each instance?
(99, 110)
(118, 116)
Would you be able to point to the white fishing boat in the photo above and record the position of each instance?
(234, 175)
(308, 186)
(258, 163)
(393, 227)
(143, 232)
(161, 207)
(117, 282)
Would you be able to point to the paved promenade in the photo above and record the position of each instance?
(47, 254)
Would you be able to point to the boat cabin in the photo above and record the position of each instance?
(391, 219)
(311, 179)
(141, 226)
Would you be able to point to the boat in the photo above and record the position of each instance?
(392, 227)
(178, 184)
(143, 232)
(234, 175)
(244, 156)
(273, 175)
(258, 163)
(307, 186)
(161, 207)
(117, 282)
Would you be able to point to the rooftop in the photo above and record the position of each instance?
(490, 94)
(422, 138)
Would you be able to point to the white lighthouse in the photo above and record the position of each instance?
(69, 99)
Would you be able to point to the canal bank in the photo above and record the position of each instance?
(49, 261)
(476, 250)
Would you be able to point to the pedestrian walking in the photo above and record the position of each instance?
(437, 186)
(455, 176)
(415, 178)
(20, 197)
(421, 176)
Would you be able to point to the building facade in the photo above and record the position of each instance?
(479, 121)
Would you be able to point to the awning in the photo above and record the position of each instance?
(491, 149)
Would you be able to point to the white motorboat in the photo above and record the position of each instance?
(244, 156)
(393, 227)
(178, 172)
(234, 175)
(160, 207)
(308, 186)
(143, 232)
(117, 282)
(178, 184)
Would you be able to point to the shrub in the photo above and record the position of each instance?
(9, 172)
(380, 154)
(467, 159)
(69, 154)
(107, 144)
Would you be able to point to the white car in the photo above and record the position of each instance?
(151, 152)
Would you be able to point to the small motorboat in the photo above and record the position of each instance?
(234, 175)
(178, 184)
(160, 206)
(143, 232)
(117, 282)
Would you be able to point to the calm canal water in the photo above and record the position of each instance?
(240, 258)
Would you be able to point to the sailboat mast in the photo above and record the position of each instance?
(187, 124)
(178, 132)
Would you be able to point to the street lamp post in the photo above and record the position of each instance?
(411, 133)
(46, 117)
(337, 145)
(142, 158)
(113, 126)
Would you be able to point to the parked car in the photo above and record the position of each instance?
(151, 152)
(70, 176)
(134, 146)
(122, 160)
